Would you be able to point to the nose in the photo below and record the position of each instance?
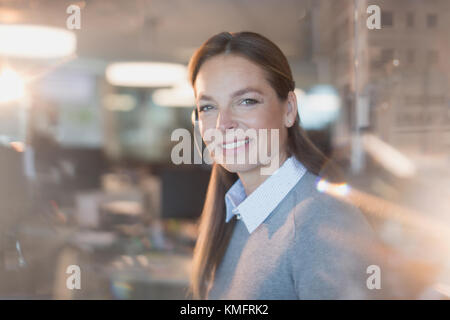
(225, 120)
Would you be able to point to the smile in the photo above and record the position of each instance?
(234, 145)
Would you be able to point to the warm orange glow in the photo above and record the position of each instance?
(385, 209)
(12, 86)
(10, 15)
(18, 146)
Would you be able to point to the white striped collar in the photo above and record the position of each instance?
(255, 208)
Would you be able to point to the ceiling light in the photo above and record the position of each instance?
(32, 41)
(12, 86)
(145, 74)
(318, 107)
(181, 95)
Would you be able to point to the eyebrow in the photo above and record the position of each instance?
(233, 95)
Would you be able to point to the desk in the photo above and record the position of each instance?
(155, 275)
(121, 274)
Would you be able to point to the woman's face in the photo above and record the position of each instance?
(233, 93)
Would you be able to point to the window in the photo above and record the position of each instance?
(387, 19)
(432, 20)
(410, 19)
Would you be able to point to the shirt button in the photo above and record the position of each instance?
(238, 216)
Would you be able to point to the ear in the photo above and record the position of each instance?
(291, 110)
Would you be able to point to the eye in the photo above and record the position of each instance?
(205, 108)
(249, 102)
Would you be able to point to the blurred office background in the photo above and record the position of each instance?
(86, 176)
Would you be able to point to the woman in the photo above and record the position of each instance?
(267, 236)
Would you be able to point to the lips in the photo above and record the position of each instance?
(235, 144)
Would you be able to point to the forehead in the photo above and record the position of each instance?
(227, 73)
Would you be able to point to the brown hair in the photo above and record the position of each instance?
(214, 232)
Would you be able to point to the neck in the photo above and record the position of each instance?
(252, 179)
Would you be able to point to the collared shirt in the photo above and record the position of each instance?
(256, 207)
(311, 246)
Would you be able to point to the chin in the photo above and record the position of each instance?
(238, 168)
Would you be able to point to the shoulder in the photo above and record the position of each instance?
(333, 244)
(330, 230)
(314, 210)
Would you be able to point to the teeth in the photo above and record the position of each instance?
(234, 145)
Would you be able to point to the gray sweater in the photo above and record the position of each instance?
(312, 246)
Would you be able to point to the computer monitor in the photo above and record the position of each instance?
(183, 192)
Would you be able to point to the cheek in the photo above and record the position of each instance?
(208, 132)
(203, 126)
(272, 120)
(265, 118)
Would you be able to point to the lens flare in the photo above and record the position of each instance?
(12, 86)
